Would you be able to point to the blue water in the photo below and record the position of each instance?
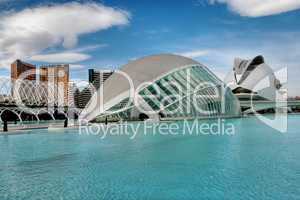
(255, 163)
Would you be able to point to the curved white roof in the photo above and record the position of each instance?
(143, 70)
(260, 78)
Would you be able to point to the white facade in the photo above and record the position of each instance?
(253, 75)
(155, 71)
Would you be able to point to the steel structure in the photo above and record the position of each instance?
(31, 98)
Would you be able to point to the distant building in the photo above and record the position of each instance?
(56, 79)
(71, 95)
(98, 77)
(83, 97)
(19, 67)
(254, 81)
(18, 72)
(77, 98)
(246, 77)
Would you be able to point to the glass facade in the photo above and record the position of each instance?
(190, 92)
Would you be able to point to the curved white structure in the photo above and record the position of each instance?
(154, 79)
(253, 77)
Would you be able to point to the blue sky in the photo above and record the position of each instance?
(212, 32)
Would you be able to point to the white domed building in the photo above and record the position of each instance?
(161, 87)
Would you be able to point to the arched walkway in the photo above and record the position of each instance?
(59, 115)
(29, 116)
(143, 117)
(45, 116)
(10, 114)
(35, 114)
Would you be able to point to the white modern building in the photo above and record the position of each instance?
(257, 86)
(253, 79)
(161, 87)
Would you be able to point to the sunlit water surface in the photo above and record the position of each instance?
(256, 163)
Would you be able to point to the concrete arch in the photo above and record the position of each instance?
(62, 113)
(74, 112)
(14, 111)
(45, 112)
(30, 112)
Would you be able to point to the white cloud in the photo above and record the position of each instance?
(64, 57)
(71, 56)
(89, 48)
(195, 53)
(76, 66)
(28, 32)
(258, 8)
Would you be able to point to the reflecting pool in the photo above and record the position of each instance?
(256, 162)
